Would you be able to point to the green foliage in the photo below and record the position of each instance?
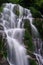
(41, 8)
(39, 2)
(35, 12)
(28, 41)
(38, 22)
(32, 62)
(27, 25)
(28, 36)
(1, 8)
(14, 1)
(2, 46)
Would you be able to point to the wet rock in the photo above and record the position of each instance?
(1, 27)
(1, 21)
(3, 61)
(25, 12)
(16, 10)
(0, 15)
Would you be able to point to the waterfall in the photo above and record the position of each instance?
(12, 16)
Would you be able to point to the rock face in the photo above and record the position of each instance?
(3, 60)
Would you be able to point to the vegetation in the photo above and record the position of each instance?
(38, 22)
(16, 10)
(32, 62)
(35, 5)
(28, 39)
(36, 8)
(28, 36)
(2, 45)
(35, 12)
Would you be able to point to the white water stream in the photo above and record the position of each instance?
(12, 16)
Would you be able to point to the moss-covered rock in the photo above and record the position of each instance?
(16, 10)
(28, 36)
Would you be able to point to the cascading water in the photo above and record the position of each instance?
(13, 27)
(13, 16)
(38, 43)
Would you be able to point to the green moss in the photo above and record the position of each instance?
(28, 41)
(32, 62)
(27, 25)
(16, 10)
(28, 36)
